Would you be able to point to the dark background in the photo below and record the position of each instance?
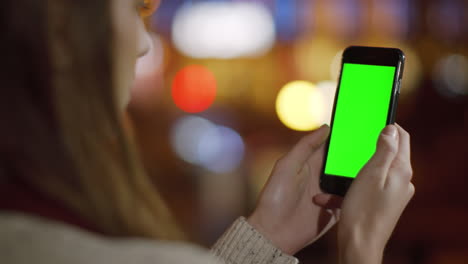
(433, 108)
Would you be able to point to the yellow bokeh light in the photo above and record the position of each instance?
(300, 106)
(313, 57)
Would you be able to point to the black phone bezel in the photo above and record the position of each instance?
(339, 185)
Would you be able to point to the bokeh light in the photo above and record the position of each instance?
(328, 89)
(300, 106)
(290, 17)
(314, 57)
(335, 66)
(390, 18)
(218, 149)
(412, 73)
(223, 29)
(220, 175)
(451, 74)
(194, 88)
(221, 150)
(186, 135)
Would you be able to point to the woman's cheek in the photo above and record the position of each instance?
(125, 23)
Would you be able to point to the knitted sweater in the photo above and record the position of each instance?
(26, 239)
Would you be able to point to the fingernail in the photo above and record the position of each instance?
(327, 127)
(390, 131)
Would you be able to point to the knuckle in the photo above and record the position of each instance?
(388, 145)
(411, 190)
(403, 169)
(410, 171)
(406, 173)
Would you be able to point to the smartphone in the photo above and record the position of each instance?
(365, 102)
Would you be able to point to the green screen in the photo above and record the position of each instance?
(360, 115)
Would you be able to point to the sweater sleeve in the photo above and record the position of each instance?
(242, 244)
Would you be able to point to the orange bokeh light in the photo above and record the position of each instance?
(194, 88)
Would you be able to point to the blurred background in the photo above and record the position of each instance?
(229, 86)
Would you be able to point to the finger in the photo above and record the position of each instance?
(313, 167)
(400, 172)
(404, 144)
(315, 160)
(411, 190)
(307, 145)
(328, 201)
(387, 148)
(403, 158)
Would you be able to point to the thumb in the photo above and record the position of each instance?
(328, 201)
(307, 145)
(387, 148)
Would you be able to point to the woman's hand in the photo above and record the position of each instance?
(285, 212)
(376, 199)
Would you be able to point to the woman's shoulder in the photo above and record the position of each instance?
(29, 239)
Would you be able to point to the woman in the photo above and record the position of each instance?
(72, 187)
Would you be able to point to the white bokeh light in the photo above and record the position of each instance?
(216, 148)
(186, 135)
(221, 150)
(328, 89)
(335, 66)
(451, 73)
(223, 29)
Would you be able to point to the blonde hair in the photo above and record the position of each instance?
(67, 133)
